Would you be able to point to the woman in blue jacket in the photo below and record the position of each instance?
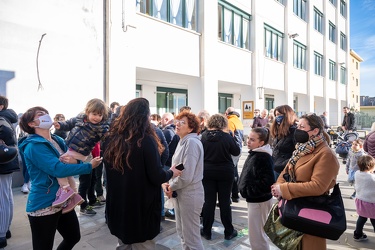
(41, 151)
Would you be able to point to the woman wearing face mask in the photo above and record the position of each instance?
(41, 151)
(314, 167)
(282, 130)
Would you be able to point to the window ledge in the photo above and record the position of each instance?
(231, 45)
(168, 23)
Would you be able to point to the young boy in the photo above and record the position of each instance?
(351, 165)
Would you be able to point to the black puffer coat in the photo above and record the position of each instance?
(283, 149)
(257, 175)
(8, 135)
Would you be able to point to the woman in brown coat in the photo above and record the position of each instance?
(314, 166)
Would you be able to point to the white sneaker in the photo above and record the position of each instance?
(25, 188)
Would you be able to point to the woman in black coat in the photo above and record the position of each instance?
(282, 133)
(218, 175)
(134, 177)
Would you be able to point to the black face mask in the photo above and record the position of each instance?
(301, 136)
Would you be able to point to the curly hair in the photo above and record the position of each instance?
(127, 131)
(217, 121)
(193, 121)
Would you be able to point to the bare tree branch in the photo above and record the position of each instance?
(40, 86)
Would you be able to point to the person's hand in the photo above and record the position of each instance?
(96, 161)
(175, 171)
(276, 192)
(68, 159)
(56, 125)
(347, 172)
(167, 190)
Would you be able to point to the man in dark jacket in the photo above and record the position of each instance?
(261, 120)
(8, 136)
(348, 123)
(167, 122)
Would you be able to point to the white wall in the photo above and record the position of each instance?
(165, 47)
(70, 57)
(233, 64)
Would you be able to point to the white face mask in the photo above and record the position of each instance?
(45, 122)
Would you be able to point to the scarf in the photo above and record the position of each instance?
(301, 150)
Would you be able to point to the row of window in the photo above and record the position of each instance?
(233, 24)
(179, 12)
(234, 28)
(299, 61)
(318, 25)
(299, 8)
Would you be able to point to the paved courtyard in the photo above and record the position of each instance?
(95, 233)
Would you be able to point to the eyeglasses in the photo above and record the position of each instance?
(181, 122)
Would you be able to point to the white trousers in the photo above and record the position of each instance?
(257, 216)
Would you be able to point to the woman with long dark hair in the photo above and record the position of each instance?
(282, 130)
(134, 175)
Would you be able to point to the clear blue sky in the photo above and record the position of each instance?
(362, 39)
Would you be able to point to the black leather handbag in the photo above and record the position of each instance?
(322, 216)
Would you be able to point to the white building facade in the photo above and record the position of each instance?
(208, 54)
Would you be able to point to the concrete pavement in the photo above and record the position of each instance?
(95, 233)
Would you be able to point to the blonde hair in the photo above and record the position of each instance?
(98, 106)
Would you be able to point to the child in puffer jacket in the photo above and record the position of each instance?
(355, 152)
(86, 130)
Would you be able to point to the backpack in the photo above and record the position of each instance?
(8, 149)
(4, 122)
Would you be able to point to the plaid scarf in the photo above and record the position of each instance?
(301, 150)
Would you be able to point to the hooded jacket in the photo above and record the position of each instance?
(218, 147)
(235, 125)
(257, 175)
(44, 166)
(189, 152)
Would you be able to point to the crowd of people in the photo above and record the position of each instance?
(191, 159)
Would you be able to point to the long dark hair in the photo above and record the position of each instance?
(127, 132)
(282, 130)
